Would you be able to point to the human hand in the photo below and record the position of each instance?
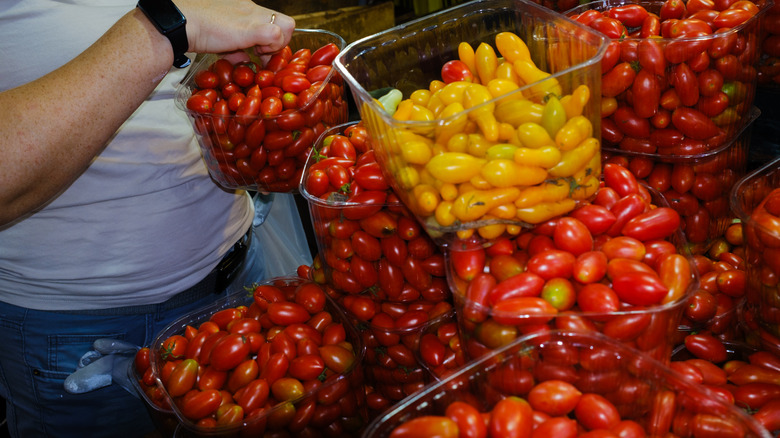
(219, 26)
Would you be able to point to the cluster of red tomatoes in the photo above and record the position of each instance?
(678, 80)
(697, 187)
(257, 123)
(571, 386)
(389, 275)
(712, 308)
(735, 373)
(286, 360)
(609, 266)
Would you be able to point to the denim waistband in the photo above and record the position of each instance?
(215, 282)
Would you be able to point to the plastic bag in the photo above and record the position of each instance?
(282, 238)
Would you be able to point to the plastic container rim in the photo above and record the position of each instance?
(354, 85)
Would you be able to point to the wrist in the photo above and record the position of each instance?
(171, 23)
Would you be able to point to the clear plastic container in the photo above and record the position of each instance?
(373, 246)
(762, 253)
(696, 185)
(685, 118)
(409, 57)
(483, 329)
(254, 152)
(646, 394)
(393, 365)
(339, 400)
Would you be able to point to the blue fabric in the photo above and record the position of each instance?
(40, 349)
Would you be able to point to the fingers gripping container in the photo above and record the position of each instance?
(561, 377)
(272, 402)
(252, 146)
(752, 204)
(434, 150)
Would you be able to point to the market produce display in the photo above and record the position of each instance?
(257, 121)
(484, 267)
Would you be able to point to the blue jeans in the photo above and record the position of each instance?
(40, 349)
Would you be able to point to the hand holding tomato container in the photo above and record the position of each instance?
(281, 358)
(495, 130)
(565, 384)
(676, 79)
(610, 266)
(256, 121)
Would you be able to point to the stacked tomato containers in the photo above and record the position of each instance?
(678, 86)
(378, 263)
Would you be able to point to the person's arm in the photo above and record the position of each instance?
(53, 127)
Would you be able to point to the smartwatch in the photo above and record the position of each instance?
(169, 20)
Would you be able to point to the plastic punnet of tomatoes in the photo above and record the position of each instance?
(154, 399)
(617, 266)
(678, 77)
(755, 200)
(366, 238)
(565, 384)
(485, 115)
(394, 366)
(279, 358)
(256, 121)
(696, 185)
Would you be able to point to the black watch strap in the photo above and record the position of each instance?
(170, 22)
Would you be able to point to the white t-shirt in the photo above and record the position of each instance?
(145, 221)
